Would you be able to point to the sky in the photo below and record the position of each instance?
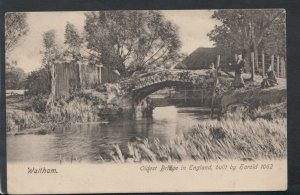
(193, 28)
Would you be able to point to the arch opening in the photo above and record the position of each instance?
(144, 104)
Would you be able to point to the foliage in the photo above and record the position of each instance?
(17, 120)
(74, 45)
(250, 30)
(274, 40)
(39, 104)
(51, 54)
(72, 38)
(14, 77)
(131, 40)
(38, 83)
(51, 57)
(77, 109)
(15, 28)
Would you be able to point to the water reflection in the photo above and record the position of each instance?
(93, 141)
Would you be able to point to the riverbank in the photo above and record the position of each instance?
(252, 126)
(20, 115)
(253, 100)
(30, 115)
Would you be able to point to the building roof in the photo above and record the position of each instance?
(200, 58)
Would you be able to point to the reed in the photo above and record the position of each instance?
(214, 140)
(18, 120)
(79, 109)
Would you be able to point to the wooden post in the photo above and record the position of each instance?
(252, 67)
(263, 63)
(218, 61)
(214, 90)
(272, 62)
(277, 66)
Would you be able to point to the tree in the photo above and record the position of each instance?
(51, 57)
(131, 40)
(73, 43)
(50, 50)
(72, 38)
(247, 29)
(274, 40)
(14, 76)
(36, 84)
(15, 28)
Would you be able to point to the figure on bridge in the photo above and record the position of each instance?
(239, 66)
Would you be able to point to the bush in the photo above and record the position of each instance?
(19, 120)
(77, 109)
(38, 83)
(14, 77)
(39, 104)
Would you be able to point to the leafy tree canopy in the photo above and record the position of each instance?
(250, 30)
(14, 76)
(131, 40)
(15, 28)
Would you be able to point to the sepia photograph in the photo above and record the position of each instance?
(146, 87)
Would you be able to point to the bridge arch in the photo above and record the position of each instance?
(142, 93)
(129, 92)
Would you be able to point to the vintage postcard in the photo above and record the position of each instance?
(146, 101)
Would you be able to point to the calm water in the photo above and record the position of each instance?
(88, 141)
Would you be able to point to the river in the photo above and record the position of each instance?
(90, 142)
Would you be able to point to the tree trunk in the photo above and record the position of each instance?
(277, 67)
(252, 66)
(272, 62)
(255, 50)
(52, 77)
(283, 71)
(218, 61)
(248, 62)
(263, 64)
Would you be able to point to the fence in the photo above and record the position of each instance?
(72, 77)
(277, 64)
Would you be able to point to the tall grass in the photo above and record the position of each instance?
(18, 120)
(77, 110)
(212, 140)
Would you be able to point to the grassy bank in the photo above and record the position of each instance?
(17, 120)
(30, 114)
(225, 139)
(20, 114)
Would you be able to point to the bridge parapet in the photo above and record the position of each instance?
(199, 78)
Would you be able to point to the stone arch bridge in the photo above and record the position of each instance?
(128, 93)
